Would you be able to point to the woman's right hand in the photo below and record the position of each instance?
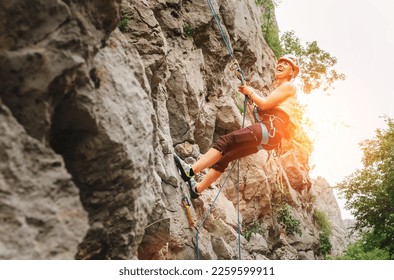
(245, 90)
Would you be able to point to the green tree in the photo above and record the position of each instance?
(365, 249)
(370, 191)
(269, 26)
(316, 64)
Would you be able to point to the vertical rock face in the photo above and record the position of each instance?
(41, 216)
(325, 200)
(90, 119)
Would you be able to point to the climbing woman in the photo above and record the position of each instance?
(272, 114)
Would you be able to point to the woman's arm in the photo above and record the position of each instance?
(280, 94)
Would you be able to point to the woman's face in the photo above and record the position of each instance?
(283, 69)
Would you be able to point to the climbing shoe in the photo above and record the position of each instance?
(185, 169)
(192, 188)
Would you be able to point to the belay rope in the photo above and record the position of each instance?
(241, 75)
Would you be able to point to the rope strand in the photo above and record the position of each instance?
(221, 30)
(239, 70)
(226, 40)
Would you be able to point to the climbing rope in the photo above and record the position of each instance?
(221, 30)
(226, 41)
(241, 76)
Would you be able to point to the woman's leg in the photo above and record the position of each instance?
(234, 149)
(218, 168)
(187, 172)
(211, 177)
(236, 140)
(233, 146)
(208, 159)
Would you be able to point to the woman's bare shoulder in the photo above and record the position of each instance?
(289, 87)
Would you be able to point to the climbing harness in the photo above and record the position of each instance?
(269, 132)
(264, 131)
(240, 75)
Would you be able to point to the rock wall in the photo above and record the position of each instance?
(325, 201)
(90, 119)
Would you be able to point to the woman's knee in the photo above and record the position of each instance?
(223, 143)
(220, 166)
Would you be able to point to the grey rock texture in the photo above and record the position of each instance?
(325, 200)
(91, 116)
(40, 212)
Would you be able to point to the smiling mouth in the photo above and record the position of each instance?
(279, 69)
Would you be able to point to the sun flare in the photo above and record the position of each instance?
(330, 128)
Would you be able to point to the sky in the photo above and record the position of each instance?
(360, 34)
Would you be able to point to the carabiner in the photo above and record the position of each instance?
(273, 129)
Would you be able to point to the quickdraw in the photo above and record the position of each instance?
(273, 128)
(238, 71)
(186, 204)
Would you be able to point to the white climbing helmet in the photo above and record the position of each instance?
(293, 60)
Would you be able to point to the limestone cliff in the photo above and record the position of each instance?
(91, 115)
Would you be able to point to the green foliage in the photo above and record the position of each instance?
(325, 231)
(291, 223)
(124, 20)
(323, 221)
(254, 228)
(362, 250)
(188, 29)
(315, 63)
(369, 191)
(324, 244)
(269, 27)
(240, 108)
(239, 101)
